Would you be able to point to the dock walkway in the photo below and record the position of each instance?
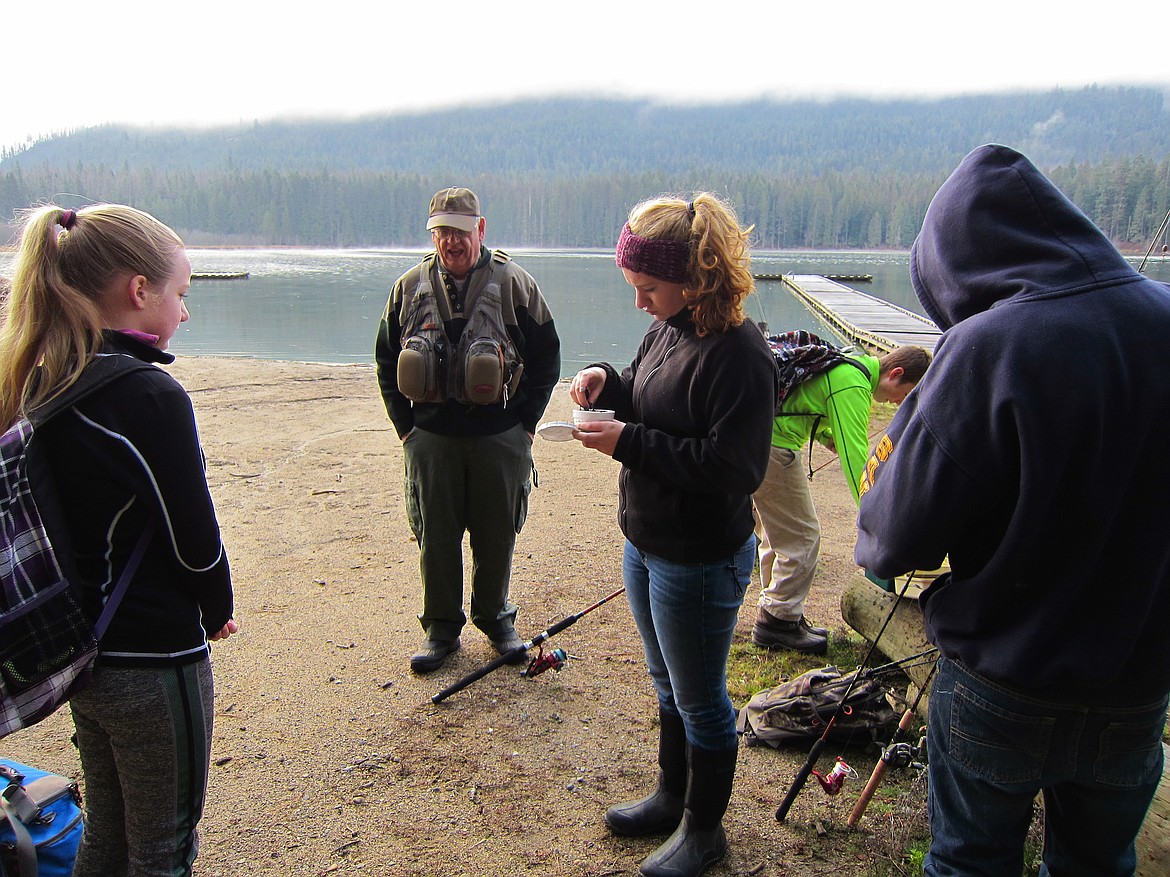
(862, 318)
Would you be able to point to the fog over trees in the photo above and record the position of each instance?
(563, 173)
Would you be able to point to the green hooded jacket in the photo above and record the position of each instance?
(836, 405)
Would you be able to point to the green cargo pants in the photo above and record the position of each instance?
(477, 486)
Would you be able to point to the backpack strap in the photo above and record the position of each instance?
(817, 418)
(106, 367)
(119, 591)
(26, 851)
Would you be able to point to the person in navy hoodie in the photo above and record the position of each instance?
(1033, 454)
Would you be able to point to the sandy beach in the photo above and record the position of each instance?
(329, 757)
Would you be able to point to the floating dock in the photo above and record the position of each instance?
(221, 275)
(844, 278)
(860, 318)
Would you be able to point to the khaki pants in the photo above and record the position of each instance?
(789, 533)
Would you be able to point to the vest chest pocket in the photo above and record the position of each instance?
(422, 367)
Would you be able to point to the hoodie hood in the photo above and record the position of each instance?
(998, 230)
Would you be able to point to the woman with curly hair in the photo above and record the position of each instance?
(693, 422)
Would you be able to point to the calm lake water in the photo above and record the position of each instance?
(324, 305)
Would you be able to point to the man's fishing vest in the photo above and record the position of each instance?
(483, 369)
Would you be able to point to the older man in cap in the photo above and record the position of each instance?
(467, 358)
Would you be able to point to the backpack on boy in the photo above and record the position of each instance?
(48, 643)
(801, 355)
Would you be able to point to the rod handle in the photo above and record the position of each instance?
(477, 674)
(879, 771)
(800, 779)
(875, 780)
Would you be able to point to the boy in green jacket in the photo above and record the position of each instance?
(833, 408)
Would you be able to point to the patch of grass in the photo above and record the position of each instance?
(1034, 843)
(896, 835)
(916, 855)
(900, 833)
(751, 669)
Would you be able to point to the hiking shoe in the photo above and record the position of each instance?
(510, 642)
(431, 655)
(815, 631)
(771, 633)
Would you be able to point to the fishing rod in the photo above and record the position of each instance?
(835, 457)
(540, 664)
(896, 755)
(1153, 243)
(915, 660)
(802, 775)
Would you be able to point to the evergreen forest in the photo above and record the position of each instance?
(562, 173)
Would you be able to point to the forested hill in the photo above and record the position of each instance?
(563, 172)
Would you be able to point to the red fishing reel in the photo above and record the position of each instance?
(833, 783)
(553, 660)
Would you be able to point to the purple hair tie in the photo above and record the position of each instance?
(662, 258)
(68, 219)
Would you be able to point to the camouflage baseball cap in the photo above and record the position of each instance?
(456, 207)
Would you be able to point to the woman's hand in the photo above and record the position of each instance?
(587, 386)
(226, 631)
(601, 435)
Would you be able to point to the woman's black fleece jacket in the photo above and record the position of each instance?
(698, 414)
(125, 453)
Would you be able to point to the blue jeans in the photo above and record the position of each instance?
(686, 614)
(992, 750)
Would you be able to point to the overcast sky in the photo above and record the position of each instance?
(71, 64)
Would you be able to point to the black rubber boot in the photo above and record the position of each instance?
(699, 840)
(659, 812)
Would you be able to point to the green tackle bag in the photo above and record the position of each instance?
(801, 708)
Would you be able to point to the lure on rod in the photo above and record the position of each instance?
(544, 661)
(835, 780)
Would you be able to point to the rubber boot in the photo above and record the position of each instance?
(699, 840)
(660, 811)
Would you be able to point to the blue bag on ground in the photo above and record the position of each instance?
(40, 822)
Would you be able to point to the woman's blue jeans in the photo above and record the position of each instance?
(686, 614)
(992, 750)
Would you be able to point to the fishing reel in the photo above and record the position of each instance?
(898, 756)
(835, 780)
(553, 660)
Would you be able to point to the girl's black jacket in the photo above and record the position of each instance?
(128, 452)
(698, 414)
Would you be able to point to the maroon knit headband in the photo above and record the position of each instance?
(665, 259)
